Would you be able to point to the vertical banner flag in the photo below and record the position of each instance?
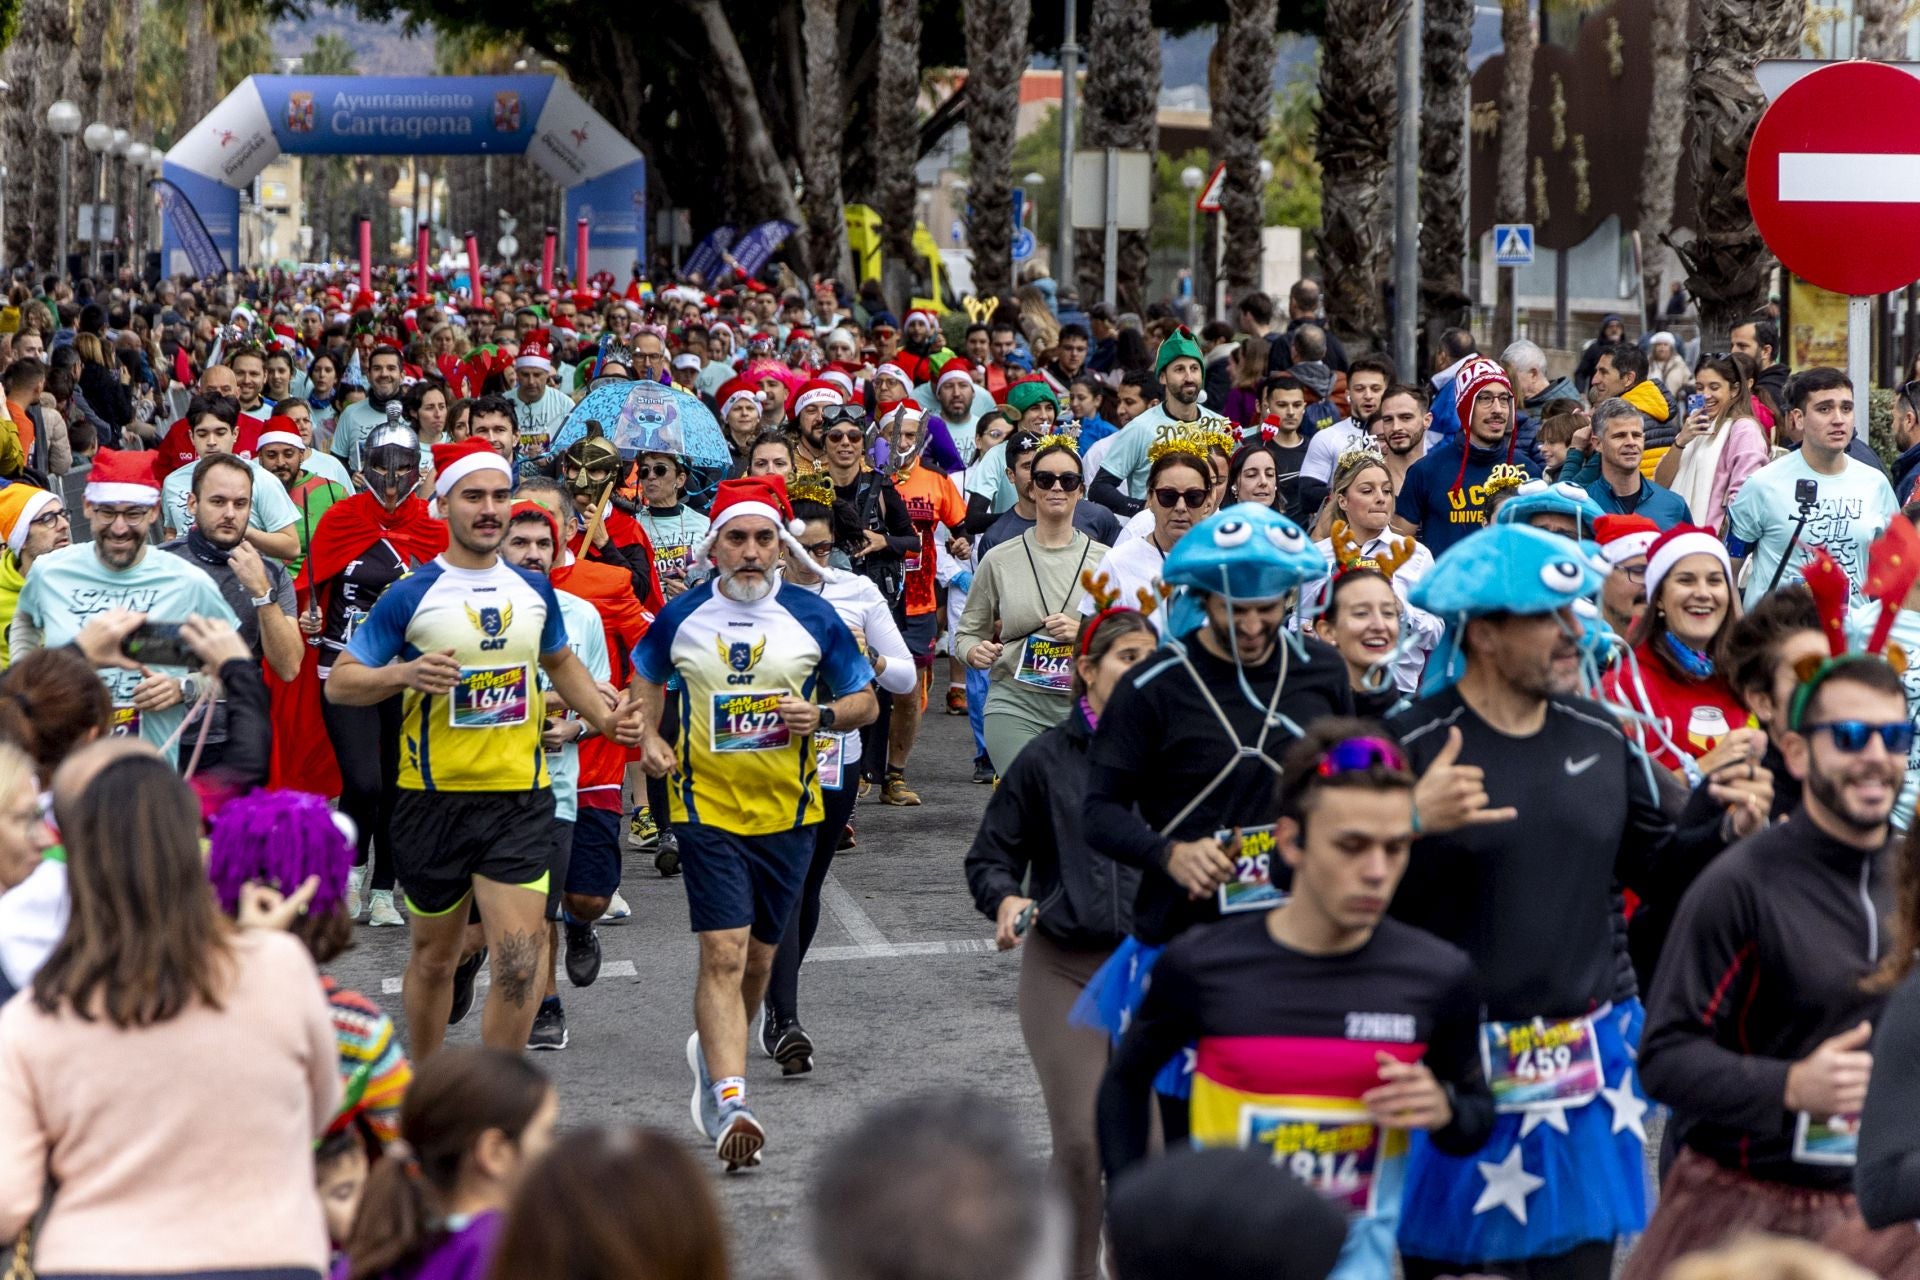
(473, 265)
(705, 261)
(548, 243)
(754, 250)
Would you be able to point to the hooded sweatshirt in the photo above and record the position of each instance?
(1656, 413)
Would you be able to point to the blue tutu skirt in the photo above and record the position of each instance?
(1113, 995)
(1572, 1188)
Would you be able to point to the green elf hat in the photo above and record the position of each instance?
(1022, 396)
(1180, 342)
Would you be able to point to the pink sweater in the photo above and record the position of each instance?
(186, 1146)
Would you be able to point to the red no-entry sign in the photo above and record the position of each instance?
(1833, 178)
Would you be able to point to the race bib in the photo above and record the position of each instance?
(1335, 1151)
(912, 561)
(749, 721)
(672, 561)
(1832, 1141)
(1251, 888)
(1540, 1063)
(126, 721)
(828, 752)
(489, 698)
(533, 446)
(1046, 664)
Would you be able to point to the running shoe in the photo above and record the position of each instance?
(383, 911)
(983, 770)
(666, 859)
(897, 792)
(617, 910)
(706, 1112)
(583, 953)
(956, 699)
(865, 788)
(739, 1140)
(847, 840)
(356, 891)
(642, 833)
(793, 1050)
(762, 1024)
(549, 1027)
(463, 979)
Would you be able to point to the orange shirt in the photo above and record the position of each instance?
(932, 500)
(23, 423)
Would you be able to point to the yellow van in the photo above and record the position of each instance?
(931, 288)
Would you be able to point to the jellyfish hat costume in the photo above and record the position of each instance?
(1538, 498)
(1504, 568)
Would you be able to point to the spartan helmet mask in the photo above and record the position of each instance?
(591, 464)
(390, 463)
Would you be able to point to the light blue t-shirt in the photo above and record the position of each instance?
(1853, 509)
(587, 637)
(354, 424)
(987, 476)
(67, 587)
(272, 509)
(326, 466)
(1126, 457)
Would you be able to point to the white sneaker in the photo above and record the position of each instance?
(383, 911)
(356, 884)
(617, 908)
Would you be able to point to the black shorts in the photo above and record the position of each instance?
(559, 861)
(920, 630)
(595, 869)
(443, 840)
(740, 882)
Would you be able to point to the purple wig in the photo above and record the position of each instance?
(278, 838)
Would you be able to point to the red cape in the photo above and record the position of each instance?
(303, 757)
(353, 524)
(624, 531)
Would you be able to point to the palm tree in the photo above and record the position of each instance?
(1660, 164)
(826, 131)
(996, 34)
(1446, 30)
(1727, 264)
(1358, 114)
(1242, 115)
(1883, 28)
(33, 66)
(324, 176)
(895, 109)
(1510, 184)
(1121, 95)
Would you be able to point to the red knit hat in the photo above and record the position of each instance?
(535, 353)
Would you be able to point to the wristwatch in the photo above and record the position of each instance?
(826, 719)
(261, 602)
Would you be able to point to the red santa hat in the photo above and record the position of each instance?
(1675, 545)
(839, 378)
(1623, 538)
(922, 313)
(895, 370)
(534, 353)
(737, 389)
(280, 430)
(811, 392)
(958, 369)
(454, 462)
(528, 507)
(122, 476)
(764, 496)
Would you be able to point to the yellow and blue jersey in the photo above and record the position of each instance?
(726, 664)
(499, 622)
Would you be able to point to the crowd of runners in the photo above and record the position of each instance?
(1467, 806)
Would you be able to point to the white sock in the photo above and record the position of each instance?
(730, 1093)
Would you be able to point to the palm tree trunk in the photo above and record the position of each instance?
(1727, 264)
(1446, 31)
(896, 110)
(199, 92)
(1883, 29)
(826, 136)
(1241, 120)
(766, 180)
(1121, 93)
(996, 34)
(32, 67)
(1358, 111)
(1510, 189)
(1660, 165)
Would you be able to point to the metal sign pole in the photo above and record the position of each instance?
(1860, 357)
(1110, 237)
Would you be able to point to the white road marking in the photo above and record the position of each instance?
(609, 969)
(1837, 177)
(892, 950)
(852, 917)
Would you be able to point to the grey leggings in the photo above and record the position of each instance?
(1069, 1061)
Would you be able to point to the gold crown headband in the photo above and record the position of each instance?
(1356, 457)
(1190, 440)
(813, 486)
(1056, 439)
(1504, 476)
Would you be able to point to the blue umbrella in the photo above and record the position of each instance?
(646, 417)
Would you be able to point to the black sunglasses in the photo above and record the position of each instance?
(1852, 735)
(657, 470)
(1064, 480)
(1171, 498)
(845, 437)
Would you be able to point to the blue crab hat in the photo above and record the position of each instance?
(1504, 568)
(1538, 497)
(1247, 552)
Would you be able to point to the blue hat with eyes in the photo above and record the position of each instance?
(1538, 497)
(1504, 568)
(1247, 552)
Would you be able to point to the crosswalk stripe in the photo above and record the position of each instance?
(609, 969)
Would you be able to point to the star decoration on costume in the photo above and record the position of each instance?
(1554, 1117)
(1627, 1106)
(1508, 1185)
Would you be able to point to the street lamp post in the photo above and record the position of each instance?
(137, 155)
(122, 140)
(99, 140)
(63, 121)
(156, 166)
(1191, 178)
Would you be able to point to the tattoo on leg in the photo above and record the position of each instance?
(516, 960)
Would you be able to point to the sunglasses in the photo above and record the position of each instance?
(1064, 480)
(1357, 755)
(657, 471)
(1852, 735)
(845, 437)
(1171, 498)
(842, 413)
(819, 550)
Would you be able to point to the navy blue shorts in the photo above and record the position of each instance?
(595, 869)
(919, 631)
(737, 882)
(560, 857)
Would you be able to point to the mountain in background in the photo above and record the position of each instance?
(380, 48)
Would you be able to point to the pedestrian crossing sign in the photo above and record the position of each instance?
(1513, 244)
